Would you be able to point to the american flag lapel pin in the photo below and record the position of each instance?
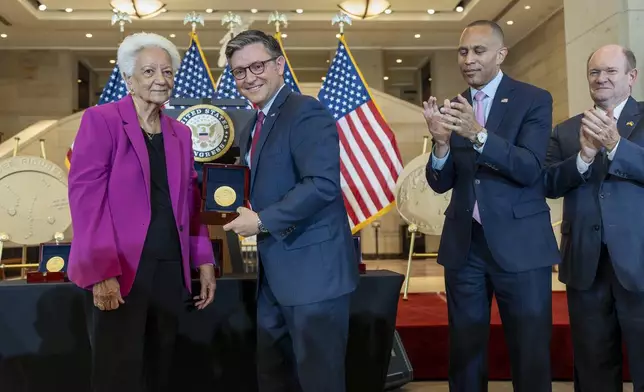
(630, 123)
(504, 100)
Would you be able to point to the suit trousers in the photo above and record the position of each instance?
(301, 348)
(601, 318)
(525, 305)
(133, 346)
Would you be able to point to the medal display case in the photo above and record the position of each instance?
(225, 189)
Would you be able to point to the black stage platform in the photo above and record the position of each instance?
(44, 345)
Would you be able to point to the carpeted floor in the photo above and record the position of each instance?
(422, 325)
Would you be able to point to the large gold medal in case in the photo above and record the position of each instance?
(225, 189)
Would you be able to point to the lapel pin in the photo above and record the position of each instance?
(273, 115)
(504, 100)
(630, 123)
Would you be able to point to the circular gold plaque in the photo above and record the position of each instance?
(225, 196)
(55, 264)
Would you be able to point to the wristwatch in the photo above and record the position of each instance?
(481, 137)
(260, 226)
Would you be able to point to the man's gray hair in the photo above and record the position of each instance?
(250, 37)
(134, 43)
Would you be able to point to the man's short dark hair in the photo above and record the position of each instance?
(491, 24)
(250, 37)
(631, 61)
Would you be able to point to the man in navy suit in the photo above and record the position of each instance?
(489, 148)
(307, 261)
(596, 163)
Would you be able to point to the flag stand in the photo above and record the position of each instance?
(413, 229)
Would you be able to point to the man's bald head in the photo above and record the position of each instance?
(497, 32)
(616, 50)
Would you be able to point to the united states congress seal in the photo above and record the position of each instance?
(225, 196)
(212, 131)
(55, 264)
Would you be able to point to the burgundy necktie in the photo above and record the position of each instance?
(258, 129)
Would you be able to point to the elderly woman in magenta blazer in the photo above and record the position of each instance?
(135, 203)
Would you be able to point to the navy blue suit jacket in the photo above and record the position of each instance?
(603, 205)
(308, 255)
(505, 179)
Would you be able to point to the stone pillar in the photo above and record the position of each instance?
(447, 81)
(591, 24)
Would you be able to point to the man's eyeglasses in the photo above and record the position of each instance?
(257, 68)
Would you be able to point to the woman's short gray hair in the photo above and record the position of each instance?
(134, 43)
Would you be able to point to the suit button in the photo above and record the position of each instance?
(477, 181)
(601, 195)
(596, 227)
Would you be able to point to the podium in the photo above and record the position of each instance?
(236, 112)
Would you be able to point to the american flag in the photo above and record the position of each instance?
(289, 77)
(370, 162)
(114, 90)
(194, 79)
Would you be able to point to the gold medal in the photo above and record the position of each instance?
(55, 264)
(225, 196)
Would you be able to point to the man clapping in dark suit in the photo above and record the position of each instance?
(596, 163)
(489, 149)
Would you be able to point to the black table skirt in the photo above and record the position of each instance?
(44, 344)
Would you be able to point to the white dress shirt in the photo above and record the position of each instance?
(583, 166)
(490, 91)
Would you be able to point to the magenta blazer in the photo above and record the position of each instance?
(109, 196)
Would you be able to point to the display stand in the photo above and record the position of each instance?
(413, 229)
(242, 118)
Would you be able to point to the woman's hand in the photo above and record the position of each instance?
(107, 294)
(208, 286)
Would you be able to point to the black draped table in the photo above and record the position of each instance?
(44, 344)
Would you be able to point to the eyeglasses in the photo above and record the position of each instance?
(257, 68)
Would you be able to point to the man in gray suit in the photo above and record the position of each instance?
(596, 163)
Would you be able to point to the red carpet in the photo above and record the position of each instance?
(422, 326)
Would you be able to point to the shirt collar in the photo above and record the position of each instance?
(267, 107)
(618, 109)
(490, 88)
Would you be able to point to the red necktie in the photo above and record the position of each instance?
(258, 129)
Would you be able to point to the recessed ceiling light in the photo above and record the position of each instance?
(284, 35)
(429, 79)
(299, 10)
(417, 36)
(323, 78)
(69, 9)
(79, 81)
(254, 10)
(3, 35)
(431, 11)
(112, 61)
(459, 9)
(209, 10)
(388, 11)
(88, 35)
(527, 7)
(172, 35)
(337, 35)
(386, 78)
(42, 7)
(164, 10)
(328, 61)
(510, 22)
(399, 61)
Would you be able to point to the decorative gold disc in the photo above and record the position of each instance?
(225, 196)
(55, 264)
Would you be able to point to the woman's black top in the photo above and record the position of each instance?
(162, 241)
